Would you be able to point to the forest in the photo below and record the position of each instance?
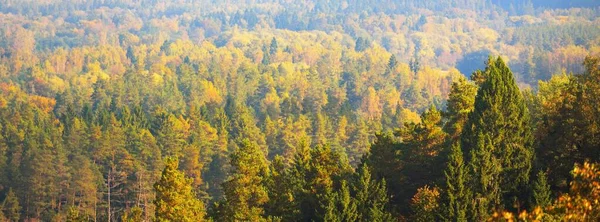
(308, 110)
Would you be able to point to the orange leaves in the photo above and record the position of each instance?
(427, 198)
(43, 103)
(425, 204)
(582, 203)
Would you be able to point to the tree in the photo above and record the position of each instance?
(384, 163)
(485, 181)
(281, 192)
(245, 191)
(425, 204)
(541, 191)
(11, 207)
(569, 132)
(498, 137)
(134, 214)
(421, 155)
(371, 197)
(341, 206)
(175, 198)
(460, 103)
(457, 193)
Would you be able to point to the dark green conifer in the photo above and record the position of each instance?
(458, 194)
(498, 138)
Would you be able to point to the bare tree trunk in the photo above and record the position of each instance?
(109, 188)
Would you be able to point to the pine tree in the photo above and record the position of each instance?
(421, 155)
(359, 142)
(541, 191)
(457, 193)
(245, 191)
(315, 175)
(175, 198)
(498, 137)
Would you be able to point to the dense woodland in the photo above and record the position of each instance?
(279, 110)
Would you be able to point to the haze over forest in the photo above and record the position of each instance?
(308, 110)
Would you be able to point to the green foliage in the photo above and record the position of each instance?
(340, 205)
(498, 136)
(460, 103)
(94, 95)
(281, 191)
(134, 214)
(541, 191)
(73, 215)
(457, 195)
(569, 131)
(371, 197)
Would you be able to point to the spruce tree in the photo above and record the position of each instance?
(485, 170)
(340, 205)
(175, 198)
(457, 194)
(371, 197)
(384, 164)
(541, 191)
(498, 137)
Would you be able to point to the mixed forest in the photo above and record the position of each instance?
(311, 110)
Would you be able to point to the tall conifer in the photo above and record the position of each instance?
(498, 137)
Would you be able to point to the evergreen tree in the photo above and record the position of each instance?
(485, 170)
(371, 197)
(498, 137)
(541, 191)
(421, 155)
(245, 191)
(175, 198)
(457, 193)
(384, 163)
(281, 194)
(317, 173)
(340, 205)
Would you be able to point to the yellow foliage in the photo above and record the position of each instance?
(43, 103)
(409, 116)
(210, 92)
